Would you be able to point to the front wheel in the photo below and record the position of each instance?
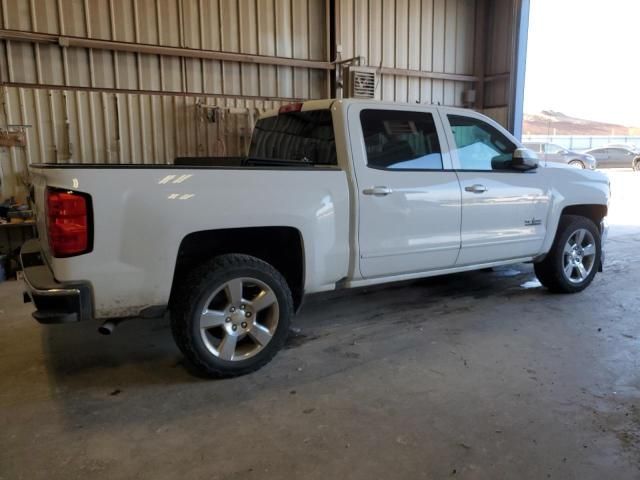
(576, 164)
(232, 315)
(574, 258)
(636, 165)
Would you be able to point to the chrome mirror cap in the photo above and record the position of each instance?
(524, 159)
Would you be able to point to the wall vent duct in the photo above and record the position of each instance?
(362, 82)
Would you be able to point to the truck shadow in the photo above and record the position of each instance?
(78, 351)
(140, 367)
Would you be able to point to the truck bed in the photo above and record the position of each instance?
(142, 213)
(225, 163)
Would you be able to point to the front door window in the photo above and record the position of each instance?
(480, 146)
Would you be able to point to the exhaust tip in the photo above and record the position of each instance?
(107, 327)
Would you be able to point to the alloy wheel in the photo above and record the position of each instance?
(579, 256)
(239, 319)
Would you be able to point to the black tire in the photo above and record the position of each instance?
(636, 164)
(577, 163)
(190, 302)
(550, 271)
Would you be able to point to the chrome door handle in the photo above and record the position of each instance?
(476, 189)
(377, 191)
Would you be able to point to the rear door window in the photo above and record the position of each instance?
(619, 152)
(401, 140)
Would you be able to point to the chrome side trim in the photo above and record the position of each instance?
(431, 273)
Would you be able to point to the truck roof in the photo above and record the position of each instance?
(323, 104)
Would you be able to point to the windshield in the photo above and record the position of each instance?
(305, 137)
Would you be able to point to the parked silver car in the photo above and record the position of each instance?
(550, 152)
(617, 156)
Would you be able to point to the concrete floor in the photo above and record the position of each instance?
(470, 376)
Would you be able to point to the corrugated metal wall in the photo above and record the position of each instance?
(419, 35)
(283, 28)
(99, 105)
(147, 91)
(499, 59)
(105, 127)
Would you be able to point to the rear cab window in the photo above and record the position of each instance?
(295, 138)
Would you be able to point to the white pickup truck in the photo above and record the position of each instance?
(333, 194)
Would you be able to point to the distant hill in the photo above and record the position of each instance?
(549, 122)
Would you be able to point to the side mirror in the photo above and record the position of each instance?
(524, 159)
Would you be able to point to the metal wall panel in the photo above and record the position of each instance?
(499, 58)
(422, 35)
(102, 127)
(500, 114)
(102, 106)
(268, 27)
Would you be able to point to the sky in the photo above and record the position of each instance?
(583, 59)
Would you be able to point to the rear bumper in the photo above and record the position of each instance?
(55, 302)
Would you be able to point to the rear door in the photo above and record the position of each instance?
(602, 157)
(408, 195)
(504, 211)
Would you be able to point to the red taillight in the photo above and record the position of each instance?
(291, 107)
(68, 222)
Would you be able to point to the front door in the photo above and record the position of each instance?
(408, 195)
(504, 211)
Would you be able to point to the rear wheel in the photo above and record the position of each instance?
(232, 315)
(573, 260)
(576, 163)
(636, 164)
